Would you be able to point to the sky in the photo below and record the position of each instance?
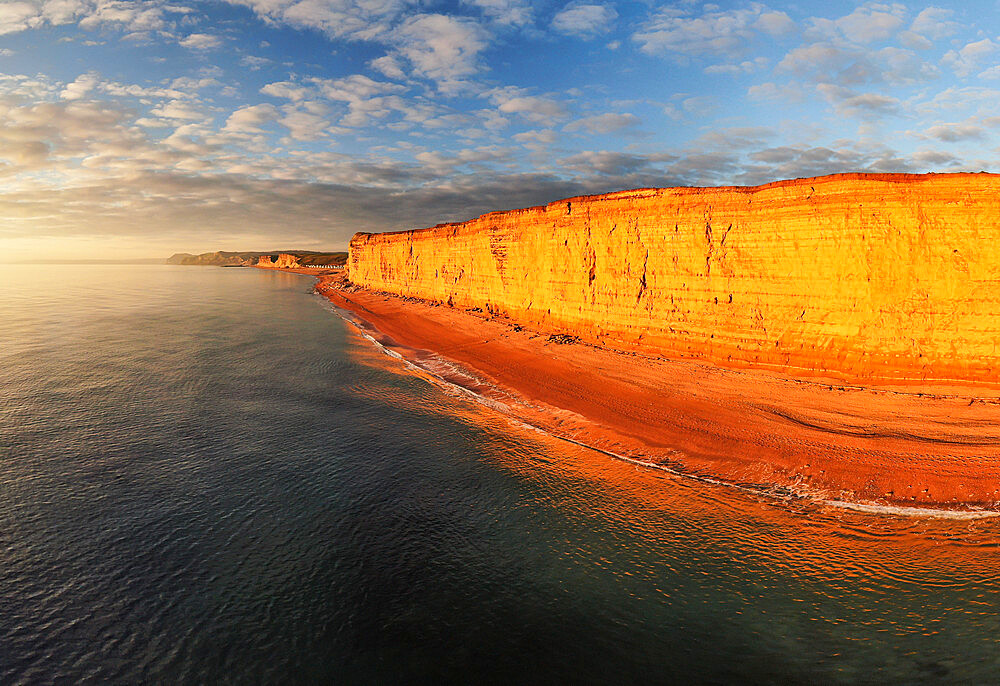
(142, 128)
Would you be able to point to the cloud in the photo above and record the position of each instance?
(744, 67)
(796, 161)
(970, 58)
(504, 12)
(354, 19)
(774, 24)
(79, 88)
(955, 132)
(675, 31)
(355, 88)
(366, 98)
(388, 66)
(17, 16)
(250, 118)
(739, 137)
(254, 62)
(935, 23)
(700, 104)
(867, 24)
(847, 103)
(201, 41)
(285, 89)
(603, 123)
(177, 109)
(612, 163)
(584, 20)
(537, 138)
(533, 108)
(441, 48)
(303, 125)
(773, 91)
(844, 65)
(936, 158)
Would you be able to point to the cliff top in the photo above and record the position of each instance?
(694, 190)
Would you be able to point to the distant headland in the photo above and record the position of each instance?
(221, 258)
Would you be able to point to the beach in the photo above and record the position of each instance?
(911, 446)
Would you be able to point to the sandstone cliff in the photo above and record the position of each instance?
(286, 261)
(856, 276)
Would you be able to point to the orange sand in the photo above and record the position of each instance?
(914, 446)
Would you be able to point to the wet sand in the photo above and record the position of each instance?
(927, 447)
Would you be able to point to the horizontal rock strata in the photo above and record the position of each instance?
(861, 277)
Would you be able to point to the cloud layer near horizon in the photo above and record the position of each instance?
(138, 127)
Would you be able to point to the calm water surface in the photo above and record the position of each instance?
(207, 476)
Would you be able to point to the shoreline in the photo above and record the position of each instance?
(917, 449)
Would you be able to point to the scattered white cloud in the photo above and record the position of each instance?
(304, 125)
(772, 91)
(744, 67)
(714, 32)
(201, 41)
(388, 66)
(254, 62)
(79, 88)
(533, 108)
(970, 58)
(505, 12)
(775, 24)
(847, 103)
(355, 19)
(285, 89)
(935, 23)
(585, 20)
(951, 133)
(251, 118)
(177, 109)
(441, 48)
(867, 24)
(603, 123)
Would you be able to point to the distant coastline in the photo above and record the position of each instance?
(223, 258)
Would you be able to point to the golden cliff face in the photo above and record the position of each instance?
(859, 276)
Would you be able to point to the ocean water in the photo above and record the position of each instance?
(207, 476)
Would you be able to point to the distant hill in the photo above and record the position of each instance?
(223, 258)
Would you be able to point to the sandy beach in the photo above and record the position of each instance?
(927, 447)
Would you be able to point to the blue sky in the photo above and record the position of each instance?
(137, 128)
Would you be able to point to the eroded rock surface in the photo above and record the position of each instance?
(863, 277)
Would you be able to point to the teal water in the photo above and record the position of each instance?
(207, 476)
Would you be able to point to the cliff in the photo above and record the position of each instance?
(286, 261)
(858, 276)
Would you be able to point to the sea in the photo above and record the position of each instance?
(207, 475)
